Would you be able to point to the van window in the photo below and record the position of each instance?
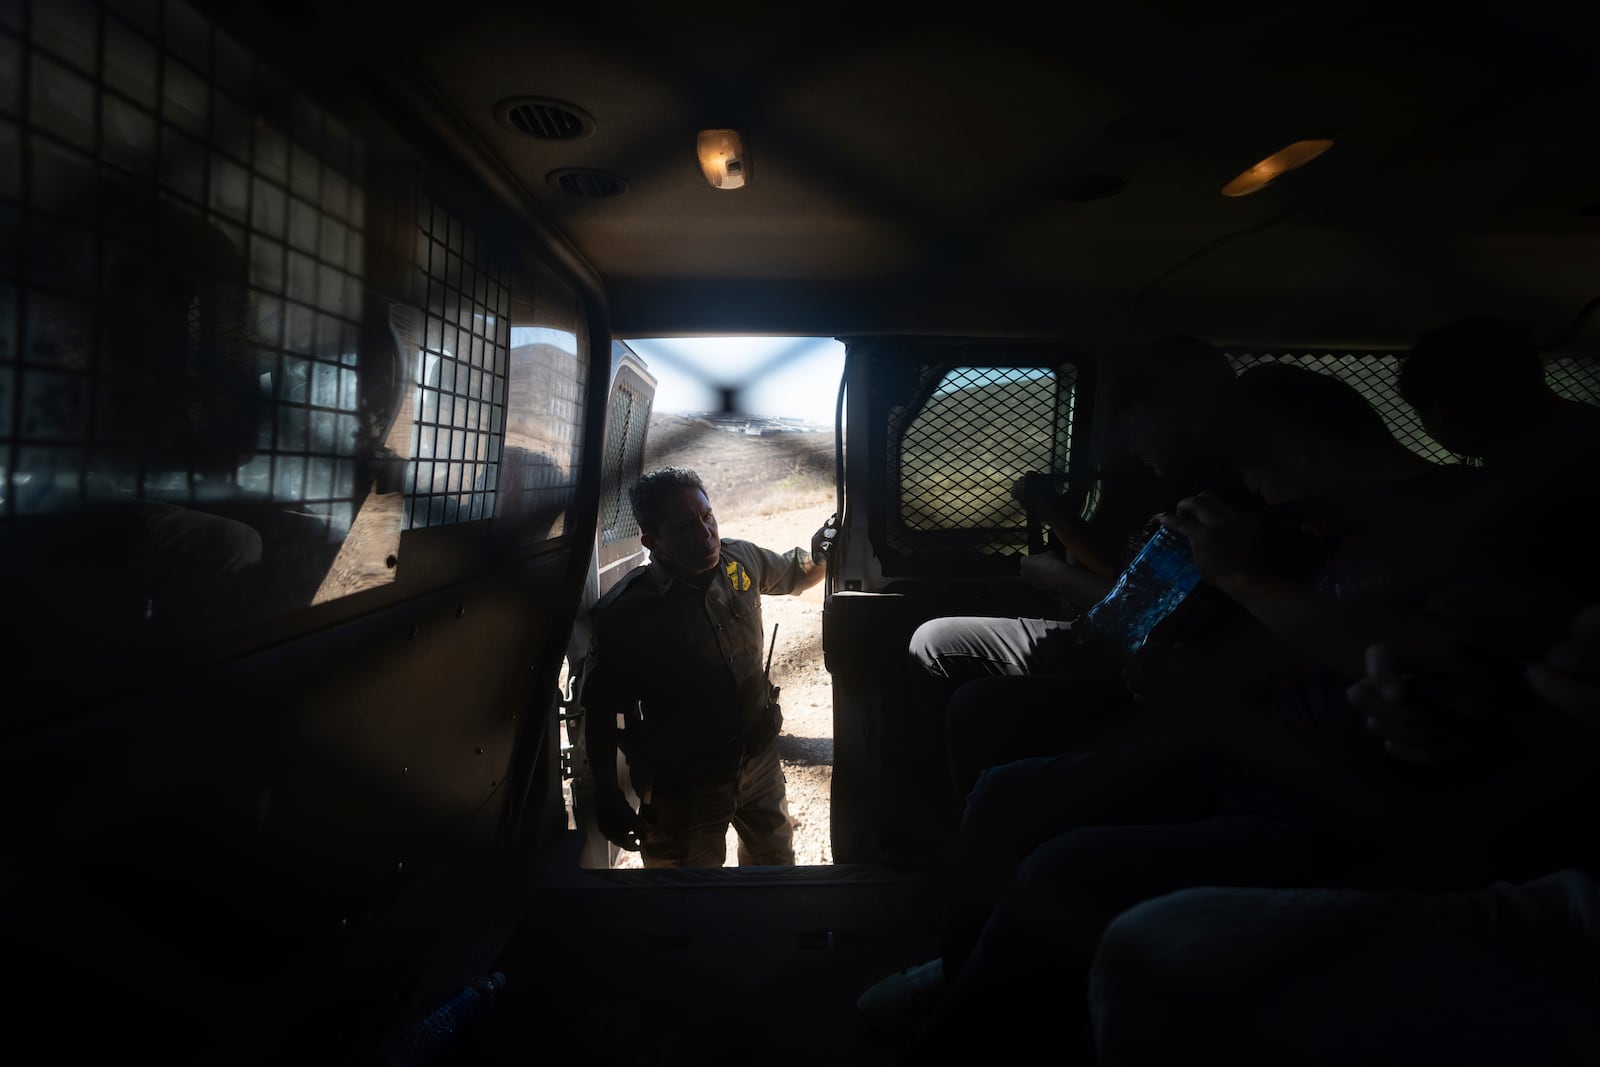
(976, 431)
(181, 364)
(1574, 379)
(632, 396)
(1374, 374)
(458, 409)
(541, 464)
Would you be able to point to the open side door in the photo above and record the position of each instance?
(617, 551)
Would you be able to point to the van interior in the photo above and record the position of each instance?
(317, 418)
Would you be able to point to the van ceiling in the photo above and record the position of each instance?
(936, 171)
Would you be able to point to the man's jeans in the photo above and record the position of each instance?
(1052, 849)
(1503, 975)
(960, 648)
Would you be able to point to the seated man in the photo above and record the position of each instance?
(1291, 792)
(1178, 385)
(996, 685)
(1506, 973)
(1478, 386)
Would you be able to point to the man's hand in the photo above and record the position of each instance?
(1569, 674)
(1034, 491)
(1408, 732)
(822, 540)
(1225, 541)
(618, 821)
(1436, 712)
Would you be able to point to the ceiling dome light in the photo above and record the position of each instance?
(722, 158)
(1279, 163)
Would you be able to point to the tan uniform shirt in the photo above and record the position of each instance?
(685, 666)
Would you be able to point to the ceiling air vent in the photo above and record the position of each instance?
(546, 120)
(581, 181)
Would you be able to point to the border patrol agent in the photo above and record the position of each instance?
(677, 684)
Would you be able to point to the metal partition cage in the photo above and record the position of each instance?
(194, 277)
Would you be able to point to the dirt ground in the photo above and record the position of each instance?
(775, 491)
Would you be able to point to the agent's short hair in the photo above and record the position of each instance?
(653, 489)
(1177, 374)
(1479, 362)
(1273, 400)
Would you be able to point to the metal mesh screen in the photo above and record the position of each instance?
(979, 429)
(630, 417)
(181, 274)
(1575, 379)
(1373, 376)
(459, 405)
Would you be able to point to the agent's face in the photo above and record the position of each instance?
(687, 540)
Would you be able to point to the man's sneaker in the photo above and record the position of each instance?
(896, 1005)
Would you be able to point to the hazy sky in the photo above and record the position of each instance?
(791, 377)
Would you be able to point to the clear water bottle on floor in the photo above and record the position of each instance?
(1150, 589)
(421, 1042)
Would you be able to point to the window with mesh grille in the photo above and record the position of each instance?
(960, 450)
(621, 467)
(460, 375)
(181, 283)
(1374, 375)
(1574, 379)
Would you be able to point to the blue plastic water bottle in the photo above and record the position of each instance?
(418, 1044)
(1149, 589)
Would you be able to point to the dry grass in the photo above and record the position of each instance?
(747, 476)
(794, 494)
